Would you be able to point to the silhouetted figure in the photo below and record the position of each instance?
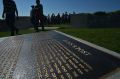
(48, 19)
(66, 17)
(63, 18)
(58, 18)
(9, 10)
(74, 13)
(45, 20)
(33, 18)
(53, 18)
(39, 14)
(69, 18)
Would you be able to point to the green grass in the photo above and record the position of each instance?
(105, 37)
(24, 31)
(4, 34)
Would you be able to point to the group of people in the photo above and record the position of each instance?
(10, 12)
(59, 18)
(36, 16)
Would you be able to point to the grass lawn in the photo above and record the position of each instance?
(105, 37)
(25, 31)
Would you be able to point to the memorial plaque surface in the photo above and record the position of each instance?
(50, 55)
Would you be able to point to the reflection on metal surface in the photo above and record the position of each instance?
(44, 56)
(9, 53)
(78, 48)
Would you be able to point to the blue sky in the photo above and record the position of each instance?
(55, 6)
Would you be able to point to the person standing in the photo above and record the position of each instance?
(9, 11)
(33, 19)
(39, 14)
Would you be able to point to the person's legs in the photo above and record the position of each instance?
(10, 20)
(36, 26)
(16, 30)
(12, 30)
(42, 26)
(10, 25)
(42, 23)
